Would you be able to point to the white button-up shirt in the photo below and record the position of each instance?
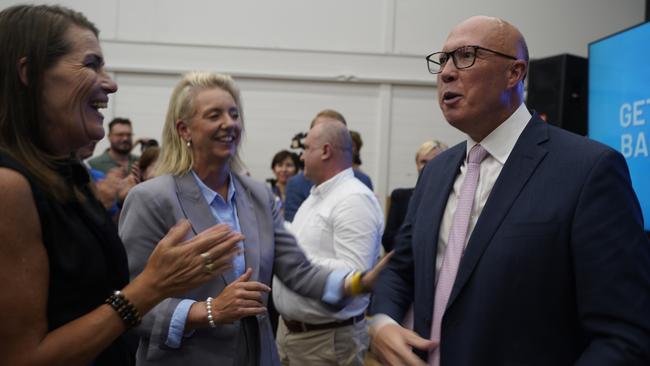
(499, 144)
(339, 226)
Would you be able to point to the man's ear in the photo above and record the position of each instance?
(326, 152)
(22, 70)
(517, 72)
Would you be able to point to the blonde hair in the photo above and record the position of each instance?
(175, 157)
(429, 146)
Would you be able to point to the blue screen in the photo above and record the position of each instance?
(619, 102)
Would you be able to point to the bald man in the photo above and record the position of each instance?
(298, 186)
(339, 226)
(524, 244)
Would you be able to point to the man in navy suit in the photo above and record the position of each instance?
(554, 266)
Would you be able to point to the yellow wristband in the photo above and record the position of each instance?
(356, 287)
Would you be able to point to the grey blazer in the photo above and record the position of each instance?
(154, 206)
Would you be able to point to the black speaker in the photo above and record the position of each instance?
(557, 90)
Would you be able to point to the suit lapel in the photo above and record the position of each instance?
(198, 212)
(193, 203)
(522, 162)
(248, 225)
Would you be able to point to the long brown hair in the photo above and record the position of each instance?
(36, 34)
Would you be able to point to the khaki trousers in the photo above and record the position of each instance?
(344, 346)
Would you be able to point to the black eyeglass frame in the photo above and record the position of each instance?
(452, 55)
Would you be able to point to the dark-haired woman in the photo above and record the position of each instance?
(65, 296)
(284, 165)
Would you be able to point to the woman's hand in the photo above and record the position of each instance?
(176, 266)
(239, 299)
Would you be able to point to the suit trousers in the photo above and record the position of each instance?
(345, 346)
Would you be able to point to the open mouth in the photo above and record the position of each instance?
(98, 105)
(450, 97)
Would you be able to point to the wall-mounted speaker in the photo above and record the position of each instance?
(557, 90)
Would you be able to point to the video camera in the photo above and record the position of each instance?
(297, 143)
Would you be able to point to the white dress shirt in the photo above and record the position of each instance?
(499, 144)
(339, 226)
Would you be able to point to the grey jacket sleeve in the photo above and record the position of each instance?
(291, 265)
(144, 221)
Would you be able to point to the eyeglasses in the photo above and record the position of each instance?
(463, 57)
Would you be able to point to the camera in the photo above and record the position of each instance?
(297, 141)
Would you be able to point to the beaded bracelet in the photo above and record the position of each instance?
(208, 306)
(129, 314)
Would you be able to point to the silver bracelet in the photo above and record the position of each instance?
(208, 306)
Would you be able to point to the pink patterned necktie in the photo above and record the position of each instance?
(455, 244)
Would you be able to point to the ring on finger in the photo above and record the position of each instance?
(208, 267)
(207, 259)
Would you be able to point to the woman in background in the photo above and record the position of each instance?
(400, 197)
(284, 165)
(66, 299)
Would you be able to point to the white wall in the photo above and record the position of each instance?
(293, 58)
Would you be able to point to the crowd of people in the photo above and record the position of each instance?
(523, 244)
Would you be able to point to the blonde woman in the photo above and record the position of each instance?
(223, 322)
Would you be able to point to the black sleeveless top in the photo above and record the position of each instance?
(86, 257)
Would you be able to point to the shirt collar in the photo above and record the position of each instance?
(209, 194)
(500, 142)
(328, 185)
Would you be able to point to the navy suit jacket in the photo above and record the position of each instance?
(556, 271)
(399, 204)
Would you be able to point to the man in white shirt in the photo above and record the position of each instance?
(339, 226)
(522, 245)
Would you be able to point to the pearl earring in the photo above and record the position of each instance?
(189, 143)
